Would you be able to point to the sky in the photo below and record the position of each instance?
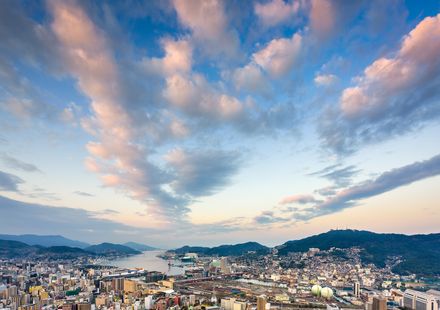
(211, 122)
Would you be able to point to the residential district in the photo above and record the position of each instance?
(314, 280)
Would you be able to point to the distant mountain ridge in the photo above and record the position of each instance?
(111, 248)
(45, 240)
(13, 249)
(225, 250)
(17, 249)
(139, 246)
(420, 253)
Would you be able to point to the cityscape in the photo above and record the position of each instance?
(228, 277)
(219, 155)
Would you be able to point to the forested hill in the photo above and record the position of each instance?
(225, 250)
(420, 253)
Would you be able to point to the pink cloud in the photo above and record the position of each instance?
(208, 22)
(279, 55)
(301, 199)
(276, 11)
(322, 17)
(386, 78)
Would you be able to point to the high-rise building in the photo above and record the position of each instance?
(192, 300)
(356, 289)
(240, 305)
(129, 286)
(101, 301)
(261, 303)
(83, 306)
(149, 303)
(379, 303)
(227, 303)
(224, 267)
(118, 284)
(11, 291)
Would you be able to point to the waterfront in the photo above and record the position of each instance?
(150, 261)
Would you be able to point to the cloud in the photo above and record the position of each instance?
(339, 176)
(194, 95)
(279, 55)
(276, 12)
(40, 193)
(35, 45)
(202, 173)
(105, 212)
(268, 217)
(250, 78)
(84, 194)
(326, 17)
(19, 96)
(70, 222)
(322, 17)
(209, 25)
(118, 158)
(393, 95)
(9, 182)
(325, 79)
(387, 181)
(17, 164)
(300, 199)
(327, 191)
(177, 59)
(90, 226)
(129, 124)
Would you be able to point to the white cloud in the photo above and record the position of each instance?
(177, 59)
(325, 79)
(301, 199)
(9, 182)
(276, 12)
(350, 196)
(194, 95)
(386, 78)
(201, 173)
(117, 155)
(322, 17)
(209, 25)
(127, 132)
(250, 78)
(393, 95)
(18, 164)
(279, 55)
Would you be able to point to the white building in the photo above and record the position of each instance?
(149, 303)
(421, 301)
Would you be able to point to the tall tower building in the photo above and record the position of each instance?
(261, 303)
(356, 289)
(379, 303)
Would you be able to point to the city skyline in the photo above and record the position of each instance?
(210, 122)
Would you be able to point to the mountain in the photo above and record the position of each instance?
(420, 253)
(111, 249)
(46, 241)
(225, 250)
(16, 249)
(64, 252)
(139, 246)
(10, 249)
(238, 249)
(191, 249)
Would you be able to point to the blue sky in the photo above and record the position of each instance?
(207, 122)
